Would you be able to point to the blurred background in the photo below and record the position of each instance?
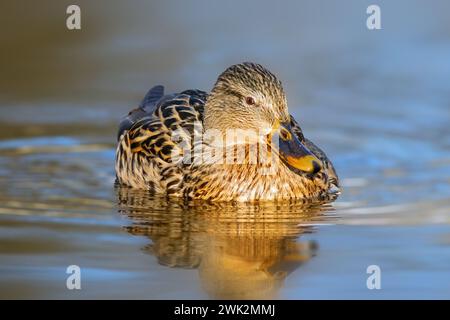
(377, 101)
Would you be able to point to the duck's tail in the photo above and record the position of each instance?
(145, 109)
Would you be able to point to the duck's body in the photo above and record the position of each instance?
(162, 148)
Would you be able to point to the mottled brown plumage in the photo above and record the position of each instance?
(159, 143)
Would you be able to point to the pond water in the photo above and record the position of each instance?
(378, 102)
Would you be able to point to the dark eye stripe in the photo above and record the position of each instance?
(231, 92)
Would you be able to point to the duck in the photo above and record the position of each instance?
(236, 143)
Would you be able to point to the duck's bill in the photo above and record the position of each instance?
(296, 154)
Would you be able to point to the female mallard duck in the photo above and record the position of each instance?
(201, 146)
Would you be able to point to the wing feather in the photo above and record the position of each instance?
(152, 137)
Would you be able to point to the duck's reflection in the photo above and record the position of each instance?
(242, 251)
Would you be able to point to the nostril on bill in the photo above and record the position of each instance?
(316, 167)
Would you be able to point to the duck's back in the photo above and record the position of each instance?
(149, 137)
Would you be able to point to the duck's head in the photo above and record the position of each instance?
(249, 97)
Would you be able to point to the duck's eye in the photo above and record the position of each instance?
(285, 135)
(250, 101)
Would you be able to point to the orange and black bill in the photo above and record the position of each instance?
(295, 153)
